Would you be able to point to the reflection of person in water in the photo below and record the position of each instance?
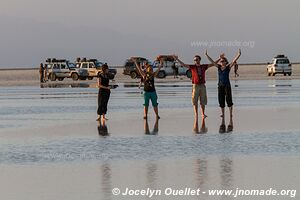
(155, 128)
(203, 128)
(102, 128)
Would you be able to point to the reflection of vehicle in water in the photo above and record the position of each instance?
(61, 68)
(93, 67)
(130, 68)
(280, 65)
(168, 67)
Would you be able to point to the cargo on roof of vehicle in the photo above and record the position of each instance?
(93, 67)
(62, 68)
(130, 68)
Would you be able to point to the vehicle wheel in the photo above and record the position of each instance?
(273, 73)
(284, 74)
(52, 77)
(60, 78)
(269, 74)
(189, 73)
(74, 76)
(290, 73)
(90, 78)
(133, 75)
(161, 74)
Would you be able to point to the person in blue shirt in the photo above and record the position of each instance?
(224, 87)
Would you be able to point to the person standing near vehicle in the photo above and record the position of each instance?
(198, 80)
(149, 88)
(175, 69)
(45, 73)
(41, 70)
(104, 93)
(224, 87)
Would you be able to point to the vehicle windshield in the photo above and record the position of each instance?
(282, 61)
(71, 65)
(98, 64)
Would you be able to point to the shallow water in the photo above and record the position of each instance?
(30, 109)
(51, 147)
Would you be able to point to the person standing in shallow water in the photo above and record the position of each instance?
(198, 80)
(104, 93)
(224, 87)
(149, 88)
(236, 68)
(41, 70)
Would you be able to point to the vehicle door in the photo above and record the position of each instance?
(181, 70)
(92, 69)
(64, 70)
(85, 66)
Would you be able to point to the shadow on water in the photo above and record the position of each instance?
(68, 85)
(131, 85)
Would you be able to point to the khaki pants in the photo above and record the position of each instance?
(199, 92)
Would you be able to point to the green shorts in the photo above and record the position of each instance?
(152, 96)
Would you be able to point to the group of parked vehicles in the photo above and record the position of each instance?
(82, 69)
(168, 68)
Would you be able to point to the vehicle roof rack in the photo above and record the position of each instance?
(280, 56)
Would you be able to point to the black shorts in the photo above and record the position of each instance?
(224, 93)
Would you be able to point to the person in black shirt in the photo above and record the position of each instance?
(224, 87)
(149, 87)
(104, 93)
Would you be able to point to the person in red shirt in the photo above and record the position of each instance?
(198, 80)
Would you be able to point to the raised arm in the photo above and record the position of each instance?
(159, 67)
(235, 59)
(213, 63)
(139, 69)
(180, 62)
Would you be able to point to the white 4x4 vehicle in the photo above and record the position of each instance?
(61, 68)
(93, 68)
(168, 67)
(280, 65)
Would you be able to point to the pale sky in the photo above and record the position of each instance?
(112, 30)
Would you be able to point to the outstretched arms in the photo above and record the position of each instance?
(180, 62)
(138, 67)
(235, 59)
(213, 63)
